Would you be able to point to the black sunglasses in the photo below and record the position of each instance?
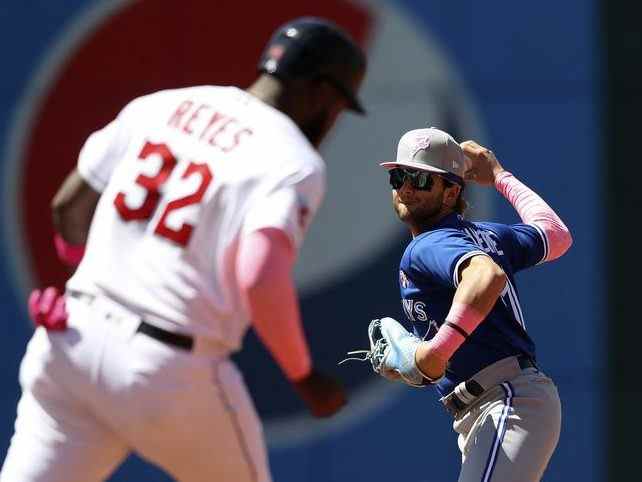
(420, 180)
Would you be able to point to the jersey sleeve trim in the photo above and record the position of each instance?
(542, 235)
(92, 179)
(466, 256)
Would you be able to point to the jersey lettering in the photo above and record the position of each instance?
(415, 310)
(208, 125)
(177, 117)
(407, 308)
(485, 240)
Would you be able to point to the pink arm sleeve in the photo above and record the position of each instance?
(263, 269)
(461, 321)
(534, 210)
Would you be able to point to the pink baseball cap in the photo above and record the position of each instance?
(431, 150)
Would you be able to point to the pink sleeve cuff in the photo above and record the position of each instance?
(70, 254)
(533, 210)
(460, 322)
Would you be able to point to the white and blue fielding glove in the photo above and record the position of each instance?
(392, 352)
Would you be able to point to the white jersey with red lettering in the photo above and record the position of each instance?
(184, 173)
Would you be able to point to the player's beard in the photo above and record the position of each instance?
(316, 128)
(420, 216)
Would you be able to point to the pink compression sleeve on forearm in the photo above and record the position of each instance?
(460, 322)
(534, 210)
(263, 269)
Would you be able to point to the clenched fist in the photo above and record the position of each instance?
(484, 165)
(323, 395)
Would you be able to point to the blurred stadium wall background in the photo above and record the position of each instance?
(525, 78)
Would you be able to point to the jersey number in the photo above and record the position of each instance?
(511, 301)
(152, 184)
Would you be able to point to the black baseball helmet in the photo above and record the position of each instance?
(311, 47)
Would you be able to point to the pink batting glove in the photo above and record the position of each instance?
(47, 309)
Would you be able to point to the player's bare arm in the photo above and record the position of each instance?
(72, 210)
(73, 207)
(482, 281)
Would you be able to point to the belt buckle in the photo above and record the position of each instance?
(451, 403)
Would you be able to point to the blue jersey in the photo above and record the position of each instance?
(428, 278)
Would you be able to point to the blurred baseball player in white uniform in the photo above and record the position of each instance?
(192, 204)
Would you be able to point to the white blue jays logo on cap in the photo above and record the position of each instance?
(422, 143)
(403, 279)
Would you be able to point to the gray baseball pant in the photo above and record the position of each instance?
(509, 433)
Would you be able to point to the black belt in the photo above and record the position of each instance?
(184, 342)
(454, 404)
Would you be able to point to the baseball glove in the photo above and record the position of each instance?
(392, 352)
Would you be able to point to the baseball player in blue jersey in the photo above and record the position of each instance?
(458, 290)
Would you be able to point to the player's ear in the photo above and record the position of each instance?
(451, 194)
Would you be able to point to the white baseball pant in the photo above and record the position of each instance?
(98, 391)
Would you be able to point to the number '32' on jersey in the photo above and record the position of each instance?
(184, 175)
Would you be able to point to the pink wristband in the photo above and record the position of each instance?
(70, 254)
(460, 322)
